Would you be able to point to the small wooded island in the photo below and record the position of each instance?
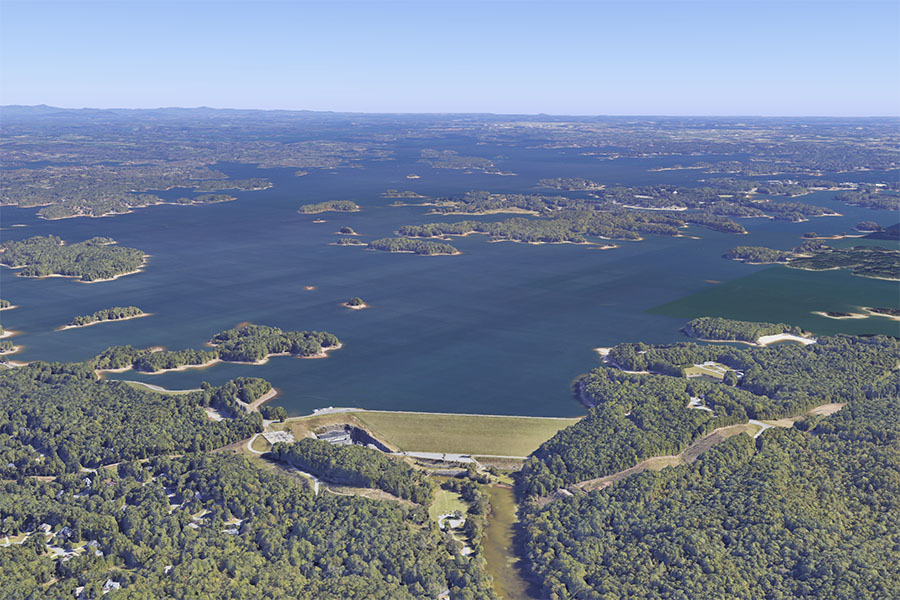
(94, 260)
(356, 303)
(329, 206)
(346, 231)
(116, 313)
(6, 304)
(423, 247)
(349, 242)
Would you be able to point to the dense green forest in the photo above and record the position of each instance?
(872, 197)
(218, 526)
(91, 260)
(572, 184)
(356, 466)
(573, 226)
(717, 328)
(864, 261)
(645, 415)
(730, 198)
(331, 205)
(57, 418)
(810, 511)
(107, 314)
(450, 159)
(424, 247)
(350, 242)
(6, 346)
(757, 255)
(81, 190)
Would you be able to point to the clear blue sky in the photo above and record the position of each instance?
(603, 57)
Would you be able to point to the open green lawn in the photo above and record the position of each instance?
(446, 502)
(463, 434)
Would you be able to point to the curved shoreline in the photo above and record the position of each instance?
(70, 326)
(78, 278)
(322, 354)
(822, 313)
(764, 340)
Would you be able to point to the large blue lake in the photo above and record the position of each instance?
(502, 328)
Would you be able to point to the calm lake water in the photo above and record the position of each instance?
(503, 328)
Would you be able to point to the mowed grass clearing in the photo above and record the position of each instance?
(446, 502)
(462, 434)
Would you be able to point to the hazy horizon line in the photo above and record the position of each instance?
(427, 112)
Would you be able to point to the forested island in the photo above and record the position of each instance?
(402, 244)
(96, 259)
(450, 159)
(865, 261)
(329, 206)
(872, 197)
(719, 329)
(247, 343)
(574, 226)
(695, 529)
(733, 198)
(349, 242)
(571, 184)
(6, 304)
(356, 303)
(116, 313)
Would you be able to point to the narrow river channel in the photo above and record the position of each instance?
(499, 547)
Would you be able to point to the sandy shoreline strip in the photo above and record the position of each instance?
(10, 307)
(8, 333)
(64, 327)
(140, 269)
(840, 317)
(214, 361)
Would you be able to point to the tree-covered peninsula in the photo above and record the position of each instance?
(717, 328)
(865, 261)
(96, 259)
(403, 244)
(792, 512)
(246, 343)
(329, 206)
(116, 313)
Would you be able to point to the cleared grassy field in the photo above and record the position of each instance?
(446, 502)
(462, 434)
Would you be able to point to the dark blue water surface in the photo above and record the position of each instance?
(502, 328)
